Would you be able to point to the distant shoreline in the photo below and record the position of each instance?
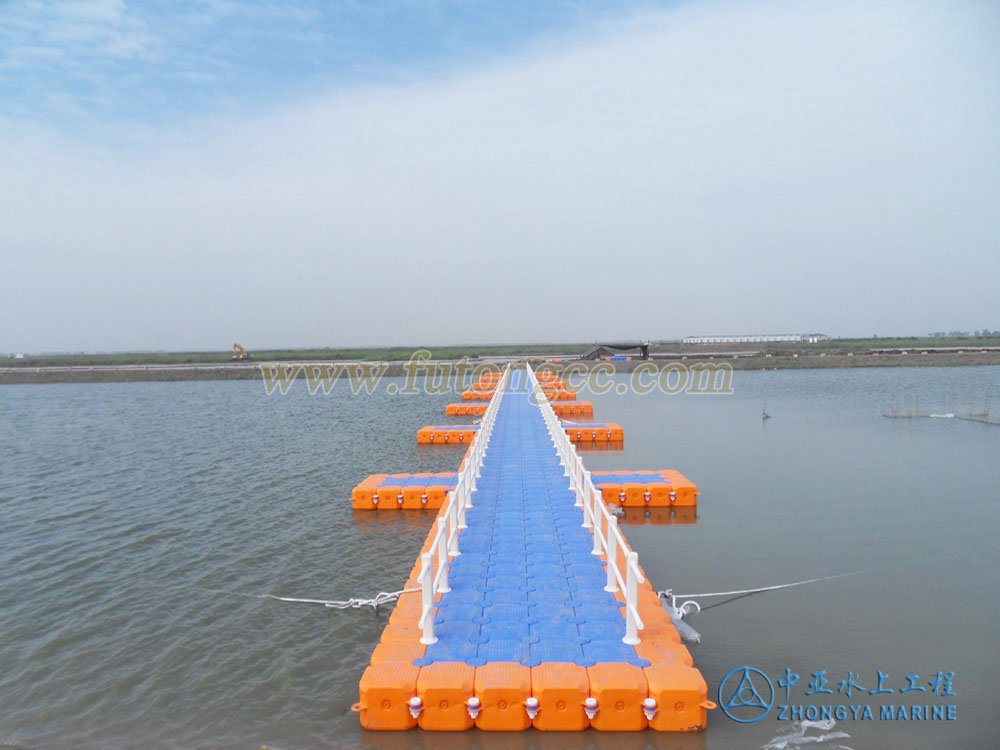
(760, 360)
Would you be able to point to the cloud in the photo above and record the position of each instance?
(723, 167)
(150, 61)
(68, 30)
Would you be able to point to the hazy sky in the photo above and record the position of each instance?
(178, 175)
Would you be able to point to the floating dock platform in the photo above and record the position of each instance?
(561, 408)
(405, 491)
(526, 607)
(454, 434)
(635, 489)
(578, 432)
(552, 394)
(627, 489)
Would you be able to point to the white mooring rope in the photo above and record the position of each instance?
(383, 597)
(692, 607)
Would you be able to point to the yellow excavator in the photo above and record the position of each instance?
(240, 353)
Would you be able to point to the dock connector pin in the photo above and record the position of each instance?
(531, 706)
(473, 705)
(649, 708)
(416, 705)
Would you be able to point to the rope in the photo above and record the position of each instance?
(692, 607)
(383, 597)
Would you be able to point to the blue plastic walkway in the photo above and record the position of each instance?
(526, 587)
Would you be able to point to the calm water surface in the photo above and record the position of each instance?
(122, 503)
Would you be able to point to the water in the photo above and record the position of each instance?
(121, 503)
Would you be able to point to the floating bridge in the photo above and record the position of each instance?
(526, 606)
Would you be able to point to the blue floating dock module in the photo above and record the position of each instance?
(527, 629)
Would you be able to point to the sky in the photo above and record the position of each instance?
(174, 176)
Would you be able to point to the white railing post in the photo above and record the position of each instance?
(597, 534)
(462, 499)
(564, 453)
(611, 548)
(451, 537)
(427, 598)
(596, 497)
(631, 599)
(443, 568)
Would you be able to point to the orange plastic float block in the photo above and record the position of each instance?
(398, 652)
(502, 689)
(477, 395)
(594, 432)
(664, 488)
(573, 408)
(447, 434)
(559, 394)
(681, 697)
(406, 491)
(619, 690)
(407, 608)
(686, 491)
(444, 688)
(386, 689)
(431, 496)
(471, 409)
(664, 650)
(398, 491)
(659, 632)
(561, 690)
(405, 630)
(362, 496)
(484, 386)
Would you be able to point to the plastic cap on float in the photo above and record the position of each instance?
(415, 705)
(649, 708)
(473, 705)
(531, 706)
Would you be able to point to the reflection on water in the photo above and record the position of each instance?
(609, 445)
(661, 516)
(123, 502)
(533, 740)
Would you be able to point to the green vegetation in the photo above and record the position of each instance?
(385, 354)
(402, 353)
(927, 342)
(838, 346)
(149, 366)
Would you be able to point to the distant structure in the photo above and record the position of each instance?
(795, 338)
(600, 350)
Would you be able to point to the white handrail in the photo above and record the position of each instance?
(451, 519)
(608, 539)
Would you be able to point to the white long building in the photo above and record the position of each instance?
(795, 338)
